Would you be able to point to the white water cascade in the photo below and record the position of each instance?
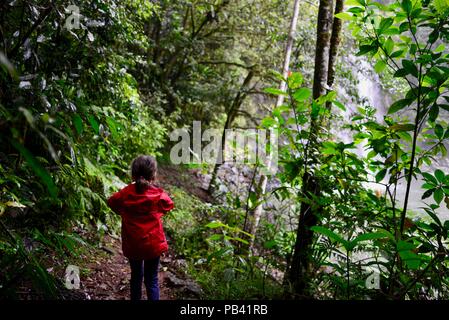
(370, 88)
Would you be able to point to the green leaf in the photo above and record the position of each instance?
(269, 244)
(440, 48)
(38, 169)
(239, 240)
(387, 234)
(441, 6)
(427, 186)
(401, 73)
(398, 105)
(330, 234)
(339, 105)
(274, 91)
(405, 245)
(328, 148)
(406, 6)
(370, 236)
(434, 217)
(295, 80)
(215, 237)
(439, 174)
(439, 131)
(438, 195)
(345, 16)
(78, 123)
(434, 112)
(412, 260)
(403, 127)
(113, 126)
(389, 46)
(380, 66)
(355, 10)
(364, 49)
(404, 27)
(392, 31)
(397, 53)
(380, 175)
(93, 122)
(215, 224)
(429, 177)
(385, 23)
(302, 94)
(355, 3)
(427, 194)
(410, 67)
(268, 122)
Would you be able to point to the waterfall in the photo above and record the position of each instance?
(370, 90)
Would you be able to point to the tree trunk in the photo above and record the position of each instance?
(335, 41)
(262, 185)
(298, 271)
(230, 116)
(324, 26)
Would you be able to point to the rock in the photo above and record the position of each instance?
(247, 172)
(166, 259)
(180, 264)
(108, 250)
(187, 286)
(194, 288)
(173, 280)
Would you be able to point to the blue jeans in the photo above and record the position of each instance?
(146, 270)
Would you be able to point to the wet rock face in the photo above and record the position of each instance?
(188, 287)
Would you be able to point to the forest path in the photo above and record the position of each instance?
(108, 274)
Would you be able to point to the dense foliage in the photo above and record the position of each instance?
(77, 104)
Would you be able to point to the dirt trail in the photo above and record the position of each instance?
(108, 274)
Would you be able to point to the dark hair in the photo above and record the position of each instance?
(143, 171)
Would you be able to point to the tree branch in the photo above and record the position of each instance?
(41, 19)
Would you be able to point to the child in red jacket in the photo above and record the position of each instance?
(141, 205)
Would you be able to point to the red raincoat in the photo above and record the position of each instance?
(143, 237)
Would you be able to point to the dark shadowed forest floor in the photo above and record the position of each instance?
(109, 277)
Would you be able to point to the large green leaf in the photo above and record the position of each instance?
(94, 124)
(381, 174)
(274, 91)
(38, 169)
(410, 67)
(438, 195)
(295, 80)
(330, 234)
(399, 105)
(439, 174)
(302, 94)
(403, 127)
(369, 236)
(78, 123)
(407, 6)
(215, 224)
